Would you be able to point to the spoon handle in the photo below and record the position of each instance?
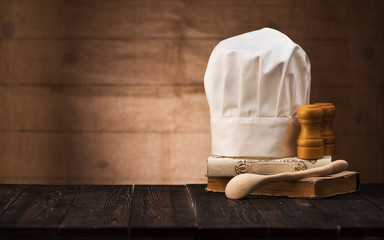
(332, 168)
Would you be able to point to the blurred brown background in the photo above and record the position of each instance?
(111, 92)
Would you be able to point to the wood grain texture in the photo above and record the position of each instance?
(168, 61)
(8, 195)
(84, 117)
(98, 211)
(362, 157)
(293, 217)
(156, 109)
(374, 193)
(345, 63)
(103, 157)
(162, 211)
(89, 89)
(105, 62)
(219, 217)
(96, 108)
(350, 211)
(122, 19)
(183, 212)
(38, 209)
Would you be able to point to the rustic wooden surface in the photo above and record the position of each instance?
(225, 219)
(164, 209)
(97, 92)
(183, 212)
(286, 217)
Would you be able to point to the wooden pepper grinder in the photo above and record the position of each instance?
(310, 142)
(329, 111)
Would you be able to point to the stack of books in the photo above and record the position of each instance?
(220, 170)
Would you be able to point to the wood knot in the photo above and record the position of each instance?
(8, 30)
(103, 164)
(70, 58)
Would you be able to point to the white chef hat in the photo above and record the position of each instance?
(254, 83)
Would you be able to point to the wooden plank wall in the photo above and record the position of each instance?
(111, 92)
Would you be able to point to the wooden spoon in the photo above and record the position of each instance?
(242, 185)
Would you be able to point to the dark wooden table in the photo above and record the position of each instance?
(158, 211)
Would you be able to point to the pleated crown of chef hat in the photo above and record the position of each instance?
(254, 83)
